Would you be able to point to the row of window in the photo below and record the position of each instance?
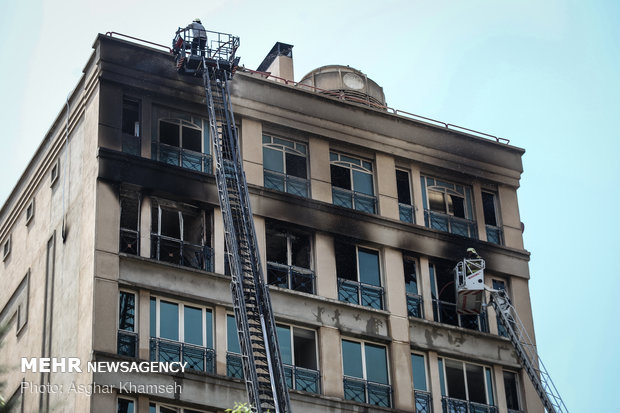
(184, 332)
(182, 140)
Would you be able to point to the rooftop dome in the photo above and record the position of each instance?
(346, 83)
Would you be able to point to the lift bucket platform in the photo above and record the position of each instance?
(469, 281)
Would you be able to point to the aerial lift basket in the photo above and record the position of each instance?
(469, 280)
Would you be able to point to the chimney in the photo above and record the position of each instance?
(279, 61)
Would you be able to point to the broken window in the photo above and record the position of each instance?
(234, 366)
(448, 207)
(511, 387)
(352, 183)
(285, 165)
(359, 276)
(299, 356)
(465, 386)
(489, 206)
(131, 126)
(414, 300)
(181, 139)
(181, 332)
(127, 344)
(366, 376)
(130, 222)
(289, 258)
(443, 292)
(403, 189)
(181, 234)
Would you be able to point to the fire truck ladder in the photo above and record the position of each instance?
(262, 364)
(526, 352)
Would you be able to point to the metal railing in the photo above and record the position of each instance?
(414, 306)
(127, 343)
(494, 234)
(450, 405)
(423, 401)
(181, 253)
(234, 365)
(286, 183)
(445, 312)
(406, 213)
(129, 241)
(185, 158)
(451, 224)
(197, 357)
(303, 379)
(291, 277)
(359, 293)
(354, 200)
(365, 391)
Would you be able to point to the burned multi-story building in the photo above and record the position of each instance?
(112, 246)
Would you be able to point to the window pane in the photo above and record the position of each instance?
(455, 379)
(369, 267)
(163, 409)
(475, 383)
(341, 177)
(362, 182)
(193, 325)
(192, 139)
(169, 133)
(276, 246)
(456, 206)
(153, 318)
(352, 359)
(126, 311)
(129, 212)
(346, 267)
(131, 117)
(170, 223)
(402, 187)
(209, 328)
(419, 372)
(436, 202)
(300, 244)
(232, 336)
(512, 394)
(488, 205)
(296, 165)
(411, 280)
(305, 348)
(272, 160)
(376, 364)
(490, 399)
(193, 228)
(284, 340)
(152, 408)
(125, 406)
(169, 320)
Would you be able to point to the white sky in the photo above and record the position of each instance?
(542, 74)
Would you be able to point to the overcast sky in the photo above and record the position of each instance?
(544, 74)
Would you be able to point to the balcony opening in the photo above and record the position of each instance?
(130, 222)
(403, 189)
(359, 276)
(466, 387)
(131, 126)
(448, 207)
(299, 355)
(285, 165)
(414, 300)
(289, 258)
(491, 222)
(352, 183)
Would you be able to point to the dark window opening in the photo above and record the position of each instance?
(455, 380)
(127, 311)
(277, 246)
(346, 261)
(192, 139)
(169, 133)
(341, 177)
(488, 206)
(456, 205)
(305, 348)
(403, 187)
(170, 223)
(411, 279)
(296, 166)
(124, 406)
(131, 117)
(512, 390)
(130, 222)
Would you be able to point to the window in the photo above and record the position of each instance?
(182, 140)
(352, 183)
(125, 406)
(127, 340)
(234, 364)
(359, 277)
(181, 235)
(448, 207)
(299, 356)
(289, 259)
(183, 333)
(6, 248)
(131, 126)
(366, 377)
(443, 293)
(130, 222)
(55, 172)
(405, 204)
(29, 211)
(501, 329)
(489, 207)
(285, 165)
(161, 408)
(511, 386)
(423, 400)
(414, 300)
(465, 387)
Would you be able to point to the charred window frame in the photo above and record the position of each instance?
(448, 207)
(443, 293)
(289, 258)
(299, 351)
(352, 181)
(181, 234)
(491, 218)
(285, 165)
(406, 209)
(358, 271)
(513, 391)
(182, 140)
(127, 336)
(414, 299)
(366, 373)
(466, 386)
(181, 332)
(130, 222)
(131, 126)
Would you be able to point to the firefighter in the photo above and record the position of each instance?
(472, 254)
(199, 37)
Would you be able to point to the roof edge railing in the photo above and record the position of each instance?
(112, 34)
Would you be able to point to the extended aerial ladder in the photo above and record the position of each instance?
(469, 280)
(262, 364)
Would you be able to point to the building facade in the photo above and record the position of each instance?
(112, 244)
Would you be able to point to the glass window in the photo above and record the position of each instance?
(232, 335)
(130, 126)
(285, 165)
(376, 363)
(352, 359)
(448, 207)
(365, 373)
(359, 276)
(124, 406)
(368, 262)
(411, 279)
(418, 366)
(127, 311)
(352, 183)
(467, 381)
(289, 258)
(403, 188)
(167, 318)
(511, 388)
